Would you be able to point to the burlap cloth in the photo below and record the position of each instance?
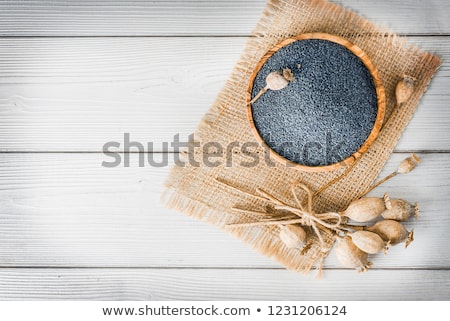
(198, 191)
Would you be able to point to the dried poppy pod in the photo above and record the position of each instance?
(276, 80)
(392, 231)
(408, 164)
(404, 89)
(293, 236)
(366, 209)
(350, 256)
(368, 242)
(400, 210)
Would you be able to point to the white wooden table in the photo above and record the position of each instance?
(77, 74)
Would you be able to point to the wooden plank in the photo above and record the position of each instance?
(219, 284)
(68, 210)
(54, 100)
(155, 18)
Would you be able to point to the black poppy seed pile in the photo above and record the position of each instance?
(326, 114)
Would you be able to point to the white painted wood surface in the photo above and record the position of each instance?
(153, 88)
(193, 17)
(219, 284)
(67, 210)
(76, 74)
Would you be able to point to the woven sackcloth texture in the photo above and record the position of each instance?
(209, 193)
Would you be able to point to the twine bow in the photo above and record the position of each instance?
(299, 215)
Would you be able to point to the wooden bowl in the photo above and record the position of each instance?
(378, 102)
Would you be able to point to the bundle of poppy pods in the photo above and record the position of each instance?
(356, 241)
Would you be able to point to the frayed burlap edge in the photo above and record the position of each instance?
(198, 191)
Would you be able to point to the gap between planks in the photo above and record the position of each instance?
(67, 210)
(404, 35)
(210, 284)
(238, 268)
(52, 100)
(106, 17)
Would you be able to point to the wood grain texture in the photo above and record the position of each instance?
(53, 100)
(71, 229)
(219, 284)
(67, 210)
(193, 18)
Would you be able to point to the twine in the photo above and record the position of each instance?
(304, 216)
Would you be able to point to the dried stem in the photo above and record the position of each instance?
(406, 166)
(335, 180)
(276, 80)
(353, 227)
(259, 94)
(391, 175)
(242, 210)
(259, 223)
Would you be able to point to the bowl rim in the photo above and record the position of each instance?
(380, 91)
